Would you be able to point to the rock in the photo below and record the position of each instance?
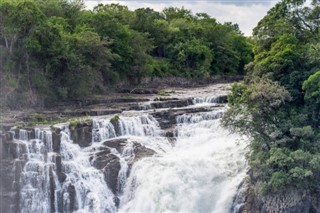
(222, 99)
(81, 134)
(139, 91)
(118, 144)
(56, 140)
(171, 104)
(288, 201)
(109, 163)
(10, 170)
(167, 118)
(111, 172)
(61, 176)
(72, 196)
(141, 151)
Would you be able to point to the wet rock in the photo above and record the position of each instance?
(72, 196)
(10, 170)
(109, 163)
(89, 112)
(167, 118)
(56, 139)
(111, 172)
(171, 133)
(141, 151)
(61, 176)
(171, 104)
(118, 144)
(116, 201)
(81, 133)
(222, 99)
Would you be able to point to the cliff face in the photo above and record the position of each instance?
(10, 170)
(290, 200)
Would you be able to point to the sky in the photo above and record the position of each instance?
(245, 13)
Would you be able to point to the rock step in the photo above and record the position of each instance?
(167, 118)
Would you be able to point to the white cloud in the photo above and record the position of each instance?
(246, 15)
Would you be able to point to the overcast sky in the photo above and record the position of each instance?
(246, 13)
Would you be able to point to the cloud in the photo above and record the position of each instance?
(246, 13)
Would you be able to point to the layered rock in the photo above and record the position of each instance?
(291, 200)
(109, 162)
(11, 166)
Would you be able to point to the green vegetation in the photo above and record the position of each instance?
(55, 50)
(115, 119)
(278, 104)
(75, 122)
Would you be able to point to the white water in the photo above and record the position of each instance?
(200, 173)
(35, 178)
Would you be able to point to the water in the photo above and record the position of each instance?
(35, 178)
(199, 172)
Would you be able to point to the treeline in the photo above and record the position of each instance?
(53, 50)
(278, 105)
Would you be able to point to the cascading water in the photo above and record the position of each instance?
(35, 179)
(199, 172)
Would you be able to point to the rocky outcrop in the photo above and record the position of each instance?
(139, 91)
(109, 162)
(11, 167)
(81, 133)
(290, 200)
(167, 118)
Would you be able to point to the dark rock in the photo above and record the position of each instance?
(110, 163)
(171, 133)
(139, 91)
(10, 170)
(141, 151)
(171, 104)
(61, 176)
(111, 172)
(116, 201)
(167, 118)
(56, 139)
(222, 99)
(288, 201)
(118, 144)
(166, 99)
(115, 122)
(72, 196)
(101, 159)
(81, 134)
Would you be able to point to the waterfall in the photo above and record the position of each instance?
(205, 100)
(35, 179)
(131, 166)
(84, 188)
(200, 174)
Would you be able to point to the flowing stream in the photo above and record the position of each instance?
(199, 170)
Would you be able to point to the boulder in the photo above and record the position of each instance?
(81, 133)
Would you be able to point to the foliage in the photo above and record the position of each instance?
(278, 104)
(55, 50)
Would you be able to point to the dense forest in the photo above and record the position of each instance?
(55, 50)
(278, 104)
